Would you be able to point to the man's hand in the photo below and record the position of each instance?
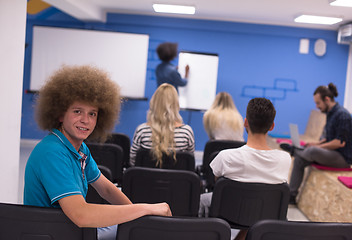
(186, 71)
(161, 209)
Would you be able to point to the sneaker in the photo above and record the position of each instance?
(287, 147)
(292, 200)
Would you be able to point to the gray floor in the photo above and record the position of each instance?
(293, 214)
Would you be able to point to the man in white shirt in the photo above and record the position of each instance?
(255, 161)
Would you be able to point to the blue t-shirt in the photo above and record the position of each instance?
(54, 171)
(167, 73)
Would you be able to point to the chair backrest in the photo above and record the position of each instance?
(174, 228)
(108, 155)
(92, 195)
(208, 154)
(243, 204)
(123, 141)
(184, 160)
(28, 223)
(179, 188)
(289, 230)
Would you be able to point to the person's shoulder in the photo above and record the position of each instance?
(142, 129)
(49, 143)
(280, 154)
(143, 126)
(185, 127)
(345, 113)
(49, 149)
(235, 151)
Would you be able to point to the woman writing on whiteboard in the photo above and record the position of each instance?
(166, 72)
(222, 120)
(164, 132)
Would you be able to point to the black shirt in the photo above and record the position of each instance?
(339, 126)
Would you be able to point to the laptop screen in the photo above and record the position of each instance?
(295, 135)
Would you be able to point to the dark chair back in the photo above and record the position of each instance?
(180, 189)
(211, 149)
(174, 228)
(39, 223)
(108, 155)
(289, 230)
(184, 160)
(124, 142)
(243, 204)
(92, 195)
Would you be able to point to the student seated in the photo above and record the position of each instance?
(222, 121)
(335, 147)
(76, 103)
(164, 132)
(255, 161)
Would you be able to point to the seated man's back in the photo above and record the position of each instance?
(255, 161)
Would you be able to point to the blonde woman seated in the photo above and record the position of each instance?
(164, 132)
(223, 121)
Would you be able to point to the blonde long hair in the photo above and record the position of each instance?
(162, 116)
(222, 110)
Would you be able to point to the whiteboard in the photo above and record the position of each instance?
(123, 55)
(200, 91)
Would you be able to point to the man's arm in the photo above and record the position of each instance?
(110, 192)
(310, 144)
(333, 144)
(84, 214)
(177, 78)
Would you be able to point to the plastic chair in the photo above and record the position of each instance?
(174, 228)
(211, 147)
(92, 195)
(109, 155)
(184, 160)
(180, 189)
(29, 223)
(124, 142)
(243, 204)
(289, 230)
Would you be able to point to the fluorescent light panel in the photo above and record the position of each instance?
(341, 3)
(166, 8)
(317, 19)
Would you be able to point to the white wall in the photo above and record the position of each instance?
(12, 43)
(348, 89)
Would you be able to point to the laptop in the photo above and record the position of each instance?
(295, 136)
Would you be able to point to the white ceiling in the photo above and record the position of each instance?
(272, 12)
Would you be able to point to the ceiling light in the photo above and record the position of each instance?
(165, 8)
(341, 3)
(317, 19)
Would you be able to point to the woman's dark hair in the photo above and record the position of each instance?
(260, 115)
(167, 51)
(327, 91)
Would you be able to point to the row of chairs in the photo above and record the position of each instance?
(114, 154)
(240, 204)
(19, 222)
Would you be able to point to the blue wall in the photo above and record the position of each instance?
(254, 61)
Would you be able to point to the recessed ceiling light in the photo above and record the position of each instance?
(341, 3)
(166, 8)
(317, 19)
